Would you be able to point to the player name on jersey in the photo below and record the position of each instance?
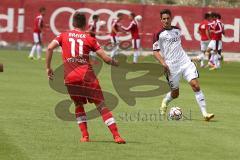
(75, 35)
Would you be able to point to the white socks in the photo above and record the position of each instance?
(39, 51)
(33, 50)
(114, 51)
(201, 102)
(168, 98)
(216, 60)
(37, 47)
(199, 98)
(135, 56)
(201, 57)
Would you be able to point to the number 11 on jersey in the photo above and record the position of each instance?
(73, 44)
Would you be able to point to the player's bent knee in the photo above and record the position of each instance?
(195, 87)
(175, 95)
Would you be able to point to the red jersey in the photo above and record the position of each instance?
(92, 28)
(203, 27)
(133, 28)
(76, 46)
(217, 28)
(38, 24)
(116, 25)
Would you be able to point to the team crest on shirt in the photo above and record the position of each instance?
(176, 33)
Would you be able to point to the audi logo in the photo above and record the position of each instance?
(111, 14)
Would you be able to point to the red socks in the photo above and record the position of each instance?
(106, 116)
(81, 120)
(109, 121)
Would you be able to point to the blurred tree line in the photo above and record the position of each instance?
(200, 3)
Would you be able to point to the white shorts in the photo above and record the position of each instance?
(114, 40)
(204, 45)
(37, 37)
(215, 45)
(136, 43)
(188, 71)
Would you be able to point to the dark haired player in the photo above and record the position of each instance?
(169, 52)
(116, 28)
(37, 34)
(79, 77)
(203, 30)
(133, 28)
(215, 45)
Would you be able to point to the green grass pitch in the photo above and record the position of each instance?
(30, 129)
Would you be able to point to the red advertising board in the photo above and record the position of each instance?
(16, 20)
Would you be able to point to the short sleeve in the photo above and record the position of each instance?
(156, 46)
(203, 26)
(58, 39)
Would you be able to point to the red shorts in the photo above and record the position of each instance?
(85, 91)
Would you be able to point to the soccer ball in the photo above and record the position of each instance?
(138, 18)
(175, 113)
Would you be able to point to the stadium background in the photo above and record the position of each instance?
(16, 19)
(31, 130)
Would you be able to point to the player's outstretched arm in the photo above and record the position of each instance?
(128, 28)
(49, 54)
(106, 58)
(160, 59)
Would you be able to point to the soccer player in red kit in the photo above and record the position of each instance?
(37, 34)
(203, 30)
(79, 77)
(133, 28)
(215, 45)
(116, 28)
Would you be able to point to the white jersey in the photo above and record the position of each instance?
(168, 42)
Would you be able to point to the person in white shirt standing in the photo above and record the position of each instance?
(167, 49)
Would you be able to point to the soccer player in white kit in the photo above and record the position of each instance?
(168, 50)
